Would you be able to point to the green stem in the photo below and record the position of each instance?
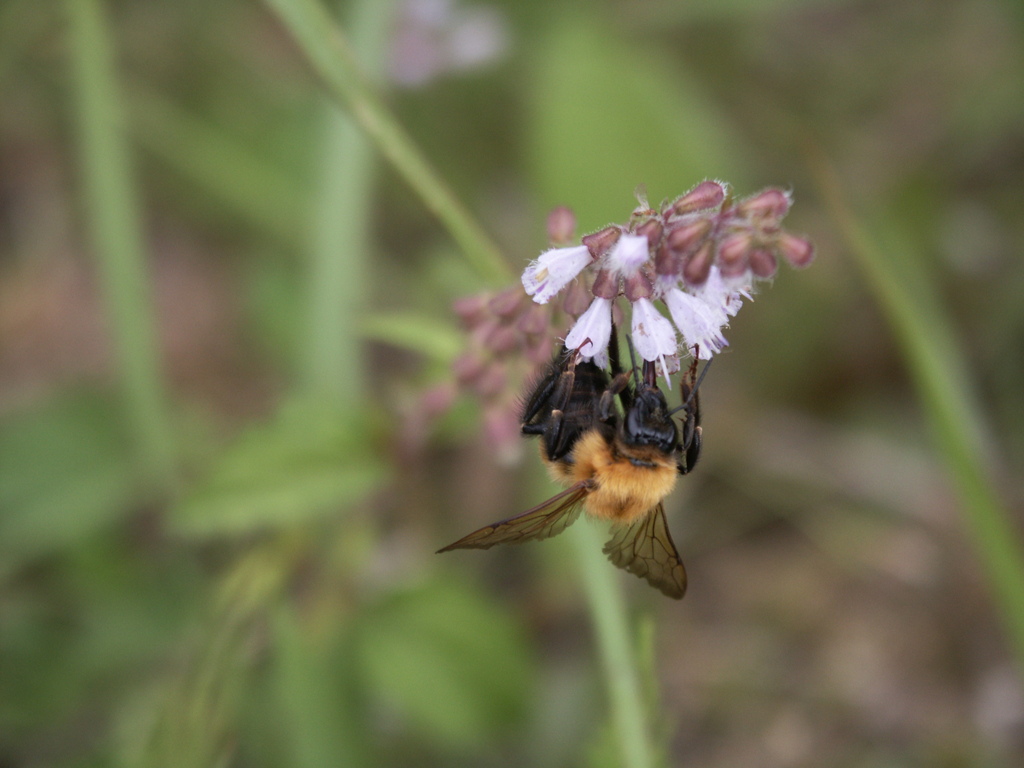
(329, 54)
(339, 277)
(930, 349)
(116, 234)
(611, 625)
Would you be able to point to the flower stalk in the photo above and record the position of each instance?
(618, 659)
(328, 52)
(339, 256)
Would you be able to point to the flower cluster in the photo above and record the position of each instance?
(509, 337)
(699, 255)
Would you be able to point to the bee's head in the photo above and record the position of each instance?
(648, 422)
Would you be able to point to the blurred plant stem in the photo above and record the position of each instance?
(611, 625)
(935, 361)
(339, 280)
(330, 55)
(115, 230)
(324, 728)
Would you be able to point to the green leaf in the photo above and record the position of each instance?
(65, 474)
(437, 340)
(609, 115)
(309, 462)
(455, 665)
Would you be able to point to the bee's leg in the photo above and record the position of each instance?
(689, 449)
(690, 386)
(556, 439)
(533, 406)
(696, 407)
(606, 405)
(545, 390)
(690, 444)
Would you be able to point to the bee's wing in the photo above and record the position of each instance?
(542, 522)
(645, 548)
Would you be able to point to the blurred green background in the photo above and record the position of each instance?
(219, 492)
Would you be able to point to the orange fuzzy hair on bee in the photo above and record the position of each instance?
(624, 482)
(628, 481)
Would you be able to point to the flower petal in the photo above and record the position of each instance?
(592, 331)
(629, 254)
(552, 270)
(727, 294)
(699, 322)
(653, 335)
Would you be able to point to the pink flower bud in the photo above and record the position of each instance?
(487, 325)
(697, 267)
(561, 225)
(798, 251)
(600, 242)
(651, 229)
(436, 400)
(502, 339)
(491, 382)
(468, 368)
(501, 429)
(606, 285)
(507, 303)
(733, 255)
(772, 203)
(638, 286)
(707, 194)
(686, 237)
(763, 263)
(540, 352)
(470, 308)
(667, 263)
(577, 299)
(534, 321)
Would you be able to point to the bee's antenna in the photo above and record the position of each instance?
(632, 359)
(696, 386)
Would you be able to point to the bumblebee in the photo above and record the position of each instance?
(616, 467)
